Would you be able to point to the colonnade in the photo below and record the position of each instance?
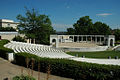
(107, 40)
(82, 38)
(30, 40)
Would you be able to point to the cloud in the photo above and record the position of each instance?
(104, 14)
(61, 27)
(68, 7)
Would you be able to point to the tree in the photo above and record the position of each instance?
(70, 31)
(116, 32)
(102, 28)
(35, 26)
(82, 25)
(85, 26)
(7, 29)
(19, 38)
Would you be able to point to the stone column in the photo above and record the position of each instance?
(86, 38)
(61, 39)
(100, 40)
(27, 40)
(34, 41)
(81, 38)
(91, 38)
(57, 42)
(96, 39)
(113, 42)
(77, 38)
(108, 42)
(73, 38)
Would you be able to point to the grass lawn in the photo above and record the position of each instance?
(102, 54)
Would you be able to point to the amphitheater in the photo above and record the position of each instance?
(50, 52)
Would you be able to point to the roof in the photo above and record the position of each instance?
(8, 33)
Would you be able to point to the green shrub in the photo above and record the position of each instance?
(7, 29)
(72, 69)
(3, 50)
(18, 38)
(23, 78)
(3, 42)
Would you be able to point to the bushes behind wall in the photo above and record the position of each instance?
(3, 50)
(71, 69)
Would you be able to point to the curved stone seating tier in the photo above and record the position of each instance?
(39, 50)
(116, 48)
(77, 44)
(81, 47)
(86, 49)
(49, 52)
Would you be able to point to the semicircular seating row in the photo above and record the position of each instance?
(37, 49)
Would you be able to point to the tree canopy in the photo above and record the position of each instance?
(116, 32)
(35, 26)
(7, 29)
(85, 26)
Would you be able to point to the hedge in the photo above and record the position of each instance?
(3, 50)
(72, 69)
(23, 78)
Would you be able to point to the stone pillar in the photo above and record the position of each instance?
(27, 40)
(57, 42)
(34, 41)
(86, 38)
(81, 38)
(10, 56)
(73, 38)
(30, 41)
(91, 38)
(77, 38)
(100, 40)
(61, 39)
(108, 42)
(96, 39)
(50, 41)
(113, 42)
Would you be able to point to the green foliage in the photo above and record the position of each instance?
(37, 26)
(102, 28)
(116, 32)
(72, 69)
(7, 29)
(85, 26)
(82, 25)
(3, 42)
(101, 54)
(23, 78)
(18, 38)
(70, 31)
(3, 50)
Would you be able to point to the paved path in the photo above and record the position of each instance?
(9, 70)
(98, 61)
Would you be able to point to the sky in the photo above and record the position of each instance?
(64, 13)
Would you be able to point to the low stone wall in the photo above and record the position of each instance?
(116, 48)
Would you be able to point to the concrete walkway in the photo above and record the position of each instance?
(98, 61)
(9, 70)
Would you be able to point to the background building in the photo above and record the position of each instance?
(8, 23)
(9, 35)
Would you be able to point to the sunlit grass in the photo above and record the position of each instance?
(102, 54)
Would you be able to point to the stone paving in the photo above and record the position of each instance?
(9, 70)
